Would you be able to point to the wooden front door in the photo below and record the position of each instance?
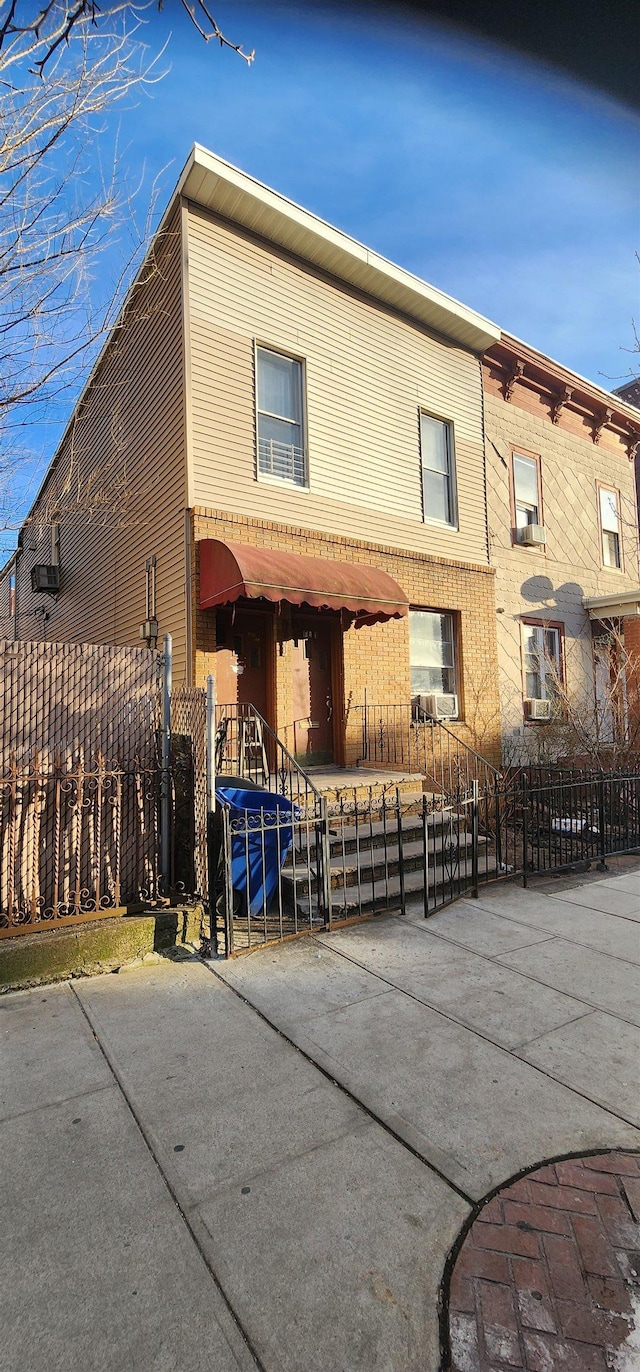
(312, 690)
(244, 649)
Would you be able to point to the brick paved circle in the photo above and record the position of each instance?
(548, 1275)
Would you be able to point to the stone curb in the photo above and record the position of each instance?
(102, 945)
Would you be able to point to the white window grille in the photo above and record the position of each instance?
(280, 419)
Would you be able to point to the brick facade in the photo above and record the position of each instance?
(376, 657)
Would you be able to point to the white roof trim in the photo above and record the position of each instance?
(621, 605)
(218, 186)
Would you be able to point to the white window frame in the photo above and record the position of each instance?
(550, 671)
(609, 491)
(452, 522)
(271, 478)
(521, 505)
(453, 667)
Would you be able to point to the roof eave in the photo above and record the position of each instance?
(223, 189)
(622, 604)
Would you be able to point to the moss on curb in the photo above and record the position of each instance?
(99, 946)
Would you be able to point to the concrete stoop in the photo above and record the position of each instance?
(102, 945)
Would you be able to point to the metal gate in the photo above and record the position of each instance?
(282, 871)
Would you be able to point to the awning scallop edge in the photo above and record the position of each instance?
(231, 571)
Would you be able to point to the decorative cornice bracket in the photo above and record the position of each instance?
(514, 374)
(633, 445)
(558, 404)
(604, 417)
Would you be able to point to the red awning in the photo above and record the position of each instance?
(231, 570)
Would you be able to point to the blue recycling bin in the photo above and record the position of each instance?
(259, 845)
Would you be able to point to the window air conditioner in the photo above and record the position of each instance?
(533, 535)
(538, 709)
(45, 577)
(439, 706)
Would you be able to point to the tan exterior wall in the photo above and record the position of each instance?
(376, 658)
(368, 374)
(118, 485)
(551, 583)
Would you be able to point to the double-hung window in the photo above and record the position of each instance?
(541, 650)
(609, 527)
(432, 652)
(526, 491)
(438, 473)
(280, 417)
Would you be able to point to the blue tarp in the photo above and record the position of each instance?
(257, 853)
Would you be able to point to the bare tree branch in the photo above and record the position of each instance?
(63, 67)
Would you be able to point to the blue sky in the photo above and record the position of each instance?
(510, 187)
(507, 185)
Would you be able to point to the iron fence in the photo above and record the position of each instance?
(566, 823)
(75, 843)
(400, 737)
(379, 850)
(286, 871)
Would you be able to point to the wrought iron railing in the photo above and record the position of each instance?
(380, 851)
(75, 842)
(569, 823)
(247, 747)
(282, 872)
(395, 736)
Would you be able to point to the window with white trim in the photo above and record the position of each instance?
(609, 527)
(541, 651)
(432, 652)
(438, 474)
(280, 417)
(526, 490)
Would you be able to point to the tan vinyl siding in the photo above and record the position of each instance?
(368, 373)
(119, 483)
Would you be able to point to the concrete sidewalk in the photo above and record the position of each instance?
(264, 1163)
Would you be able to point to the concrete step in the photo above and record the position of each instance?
(339, 784)
(366, 867)
(347, 904)
(346, 838)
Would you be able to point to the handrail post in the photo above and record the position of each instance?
(212, 855)
(525, 829)
(474, 838)
(602, 865)
(165, 793)
(498, 821)
(326, 861)
(400, 850)
(227, 848)
(211, 744)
